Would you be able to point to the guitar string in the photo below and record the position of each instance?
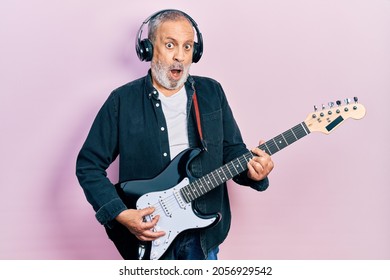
(209, 183)
(288, 137)
(171, 200)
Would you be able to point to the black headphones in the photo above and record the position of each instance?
(144, 48)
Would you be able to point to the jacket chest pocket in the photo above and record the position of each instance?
(212, 127)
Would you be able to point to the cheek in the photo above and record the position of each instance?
(161, 55)
(187, 61)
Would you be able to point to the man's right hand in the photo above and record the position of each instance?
(134, 221)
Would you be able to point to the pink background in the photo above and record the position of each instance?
(329, 195)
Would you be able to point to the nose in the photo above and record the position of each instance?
(179, 54)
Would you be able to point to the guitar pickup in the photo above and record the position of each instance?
(179, 199)
(165, 207)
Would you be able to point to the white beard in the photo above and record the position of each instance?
(160, 74)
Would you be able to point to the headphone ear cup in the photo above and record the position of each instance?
(145, 50)
(195, 53)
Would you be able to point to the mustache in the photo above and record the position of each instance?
(176, 66)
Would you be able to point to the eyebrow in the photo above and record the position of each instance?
(175, 40)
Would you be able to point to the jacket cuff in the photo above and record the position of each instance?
(110, 210)
(256, 185)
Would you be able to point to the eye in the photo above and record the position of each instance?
(169, 45)
(188, 47)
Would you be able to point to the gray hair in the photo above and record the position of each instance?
(169, 15)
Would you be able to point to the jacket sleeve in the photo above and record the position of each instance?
(97, 153)
(243, 179)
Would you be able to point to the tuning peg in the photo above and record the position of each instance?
(355, 99)
(331, 104)
(347, 100)
(338, 102)
(315, 108)
(323, 107)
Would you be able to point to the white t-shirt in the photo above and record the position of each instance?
(175, 111)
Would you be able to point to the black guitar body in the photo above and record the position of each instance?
(131, 191)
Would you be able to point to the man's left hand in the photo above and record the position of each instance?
(260, 165)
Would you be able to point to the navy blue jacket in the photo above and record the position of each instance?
(131, 124)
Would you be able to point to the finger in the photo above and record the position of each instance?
(257, 164)
(259, 152)
(255, 170)
(266, 164)
(250, 168)
(146, 215)
(146, 211)
(151, 233)
(148, 233)
(148, 225)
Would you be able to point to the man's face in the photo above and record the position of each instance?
(172, 55)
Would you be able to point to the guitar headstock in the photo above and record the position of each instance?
(327, 119)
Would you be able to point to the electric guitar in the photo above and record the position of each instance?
(173, 190)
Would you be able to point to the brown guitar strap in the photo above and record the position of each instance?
(197, 116)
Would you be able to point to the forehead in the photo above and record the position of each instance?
(180, 29)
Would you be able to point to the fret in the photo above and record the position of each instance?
(234, 168)
(228, 169)
(284, 139)
(225, 178)
(189, 194)
(195, 190)
(294, 134)
(280, 142)
(239, 166)
(247, 155)
(242, 163)
(267, 149)
(184, 194)
(246, 158)
(205, 184)
(219, 176)
(303, 124)
(289, 136)
(220, 173)
(209, 182)
(276, 144)
(272, 146)
(213, 181)
(199, 184)
(300, 131)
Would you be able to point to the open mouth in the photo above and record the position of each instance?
(176, 73)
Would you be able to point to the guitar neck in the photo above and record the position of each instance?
(221, 175)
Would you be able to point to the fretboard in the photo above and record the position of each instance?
(226, 172)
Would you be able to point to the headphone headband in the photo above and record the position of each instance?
(144, 48)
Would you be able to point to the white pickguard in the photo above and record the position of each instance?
(176, 216)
